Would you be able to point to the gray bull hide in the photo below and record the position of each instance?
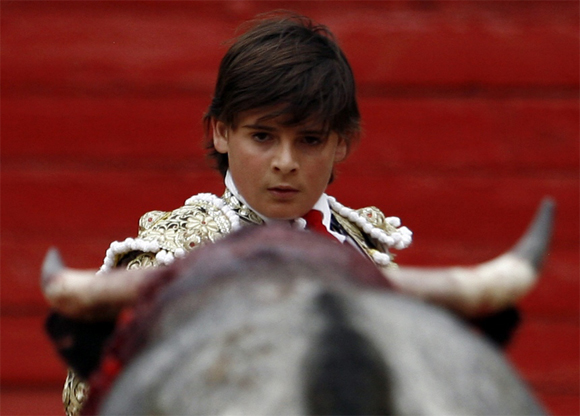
(271, 321)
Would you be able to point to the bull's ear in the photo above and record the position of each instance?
(79, 343)
(499, 327)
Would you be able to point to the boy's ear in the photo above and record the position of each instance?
(341, 151)
(220, 135)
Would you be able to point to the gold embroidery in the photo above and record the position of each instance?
(244, 212)
(186, 227)
(142, 261)
(377, 219)
(74, 394)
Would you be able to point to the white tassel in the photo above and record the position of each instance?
(121, 247)
(400, 239)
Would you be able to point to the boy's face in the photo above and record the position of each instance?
(281, 171)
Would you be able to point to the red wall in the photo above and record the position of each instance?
(471, 117)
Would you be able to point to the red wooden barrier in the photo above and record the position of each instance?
(470, 114)
(167, 46)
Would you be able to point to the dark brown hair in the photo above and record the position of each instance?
(287, 63)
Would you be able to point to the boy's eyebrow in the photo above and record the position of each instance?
(314, 132)
(259, 127)
(272, 128)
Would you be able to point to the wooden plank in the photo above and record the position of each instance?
(459, 44)
(447, 134)
(124, 46)
(74, 202)
(27, 354)
(557, 293)
(561, 404)
(410, 133)
(111, 46)
(472, 208)
(112, 130)
(32, 401)
(547, 352)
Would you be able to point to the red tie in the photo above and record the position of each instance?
(314, 222)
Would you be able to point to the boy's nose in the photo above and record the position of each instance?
(284, 160)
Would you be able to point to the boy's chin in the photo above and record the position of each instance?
(282, 217)
(283, 214)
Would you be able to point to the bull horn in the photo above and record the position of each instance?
(51, 265)
(81, 294)
(486, 287)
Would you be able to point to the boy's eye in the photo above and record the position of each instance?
(261, 137)
(312, 140)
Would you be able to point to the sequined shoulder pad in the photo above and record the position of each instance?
(166, 235)
(372, 231)
(186, 227)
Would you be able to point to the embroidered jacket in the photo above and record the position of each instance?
(164, 236)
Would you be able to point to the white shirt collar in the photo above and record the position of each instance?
(323, 206)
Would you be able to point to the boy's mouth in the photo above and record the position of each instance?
(283, 191)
